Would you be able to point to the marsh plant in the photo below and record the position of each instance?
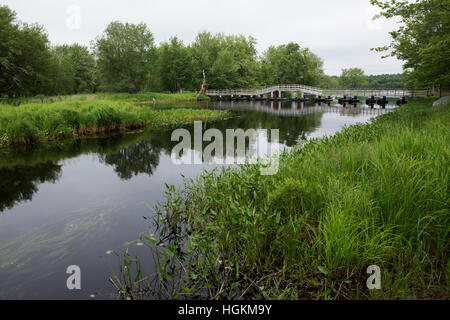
(43, 122)
(373, 194)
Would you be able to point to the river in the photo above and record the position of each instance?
(70, 203)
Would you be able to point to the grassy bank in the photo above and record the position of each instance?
(373, 194)
(40, 122)
(135, 97)
(152, 96)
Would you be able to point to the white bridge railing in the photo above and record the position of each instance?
(302, 89)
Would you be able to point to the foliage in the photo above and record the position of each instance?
(329, 82)
(372, 194)
(34, 123)
(175, 66)
(76, 69)
(352, 78)
(382, 81)
(422, 40)
(385, 81)
(143, 97)
(124, 53)
(125, 59)
(228, 61)
(25, 58)
(289, 64)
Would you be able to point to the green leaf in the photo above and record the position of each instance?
(323, 269)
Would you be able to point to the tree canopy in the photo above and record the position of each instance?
(124, 52)
(352, 78)
(229, 61)
(124, 58)
(25, 58)
(422, 40)
(75, 72)
(290, 63)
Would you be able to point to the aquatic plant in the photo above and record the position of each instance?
(373, 194)
(149, 97)
(38, 122)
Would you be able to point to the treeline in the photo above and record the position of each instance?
(421, 40)
(29, 65)
(125, 59)
(355, 78)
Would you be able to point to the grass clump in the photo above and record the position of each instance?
(373, 194)
(129, 97)
(39, 122)
(149, 96)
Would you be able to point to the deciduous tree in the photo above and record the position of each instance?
(125, 52)
(352, 78)
(422, 40)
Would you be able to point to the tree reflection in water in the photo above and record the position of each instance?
(131, 161)
(19, 183)
(22, 170)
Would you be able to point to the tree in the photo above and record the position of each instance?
(124, 52)
(384, 81)
(352, 78)
(75, 69)
(289, 63)
(228, 61)
(26, 62)
(243, 51)
(175, 65)
(422, 40)
(329, 82)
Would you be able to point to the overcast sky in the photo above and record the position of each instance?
(341, 32)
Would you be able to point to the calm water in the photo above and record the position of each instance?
(68, 204)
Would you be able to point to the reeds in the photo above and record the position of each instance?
(129, 97)
(40, 122)
(373, 194)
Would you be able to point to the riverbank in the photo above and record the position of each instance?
(156, 97)
(43, 122)
(373, 194)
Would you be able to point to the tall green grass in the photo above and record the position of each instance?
(149, 96)
(43, 99)
(373, 194)
(32, 123)
(129, 97)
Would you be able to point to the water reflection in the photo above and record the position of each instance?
(19, 183)
(296, 109)
(143, 157)
(23, 169)
(68, 203)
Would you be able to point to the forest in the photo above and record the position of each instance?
(125, 59)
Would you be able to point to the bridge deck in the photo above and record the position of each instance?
(297, 88)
